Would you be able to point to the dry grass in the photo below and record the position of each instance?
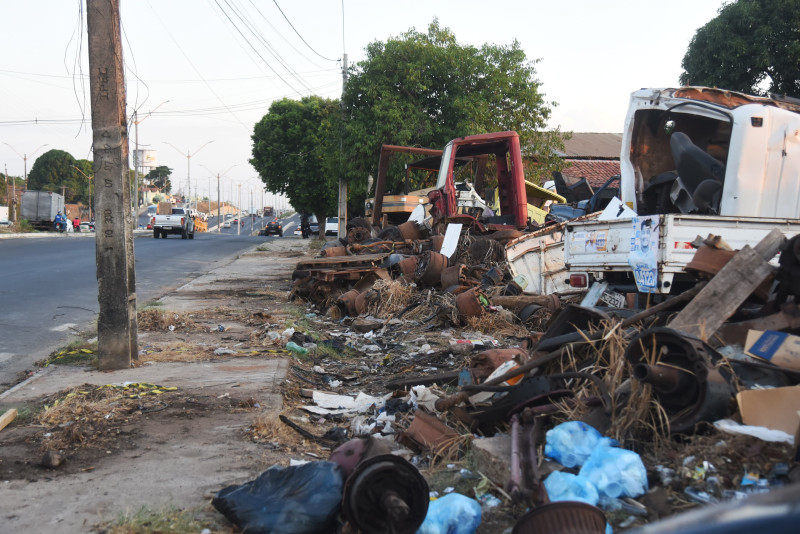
(155, 320)
(392, 297)
(177, 352)
(496, 324)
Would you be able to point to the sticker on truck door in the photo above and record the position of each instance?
(643, 257)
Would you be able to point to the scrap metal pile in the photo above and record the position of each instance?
(715, 362)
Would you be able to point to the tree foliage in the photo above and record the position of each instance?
(159, 177)
(424, 89)
(55, 170)
(296, 151)
(750, 43)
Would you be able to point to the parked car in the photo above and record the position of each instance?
(273, 227)
(89, 227)
(331, 226)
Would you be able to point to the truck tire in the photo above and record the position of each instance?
(184, 235)
(163, 234)
(155, 234)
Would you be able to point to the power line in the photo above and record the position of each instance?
(298, 33)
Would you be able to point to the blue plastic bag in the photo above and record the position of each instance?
(562, 486)
(452, 514)
(616, 472)
(571, 443)
(301, 499)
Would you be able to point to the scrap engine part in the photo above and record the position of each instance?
(386, 494)
(681, 371)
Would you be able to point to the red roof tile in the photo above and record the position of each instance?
(596, 171)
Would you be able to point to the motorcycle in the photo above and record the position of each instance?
(61, 227)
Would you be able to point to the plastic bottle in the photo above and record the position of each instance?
(452, 514)
(296, 349)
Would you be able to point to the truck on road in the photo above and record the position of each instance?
(40, 208)
(178, 222)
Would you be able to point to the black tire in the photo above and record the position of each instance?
(184, 235)
(280, 234)
(191, 236)
(163, 234)
(155, 234)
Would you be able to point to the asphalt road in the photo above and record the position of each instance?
(48, 286)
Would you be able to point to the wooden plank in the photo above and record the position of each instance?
(724, 294)
(7, 417)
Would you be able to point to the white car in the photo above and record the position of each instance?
(332, 226)
(226, 224)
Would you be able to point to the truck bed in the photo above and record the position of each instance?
(605, 246)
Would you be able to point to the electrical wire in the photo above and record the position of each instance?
(298, 33)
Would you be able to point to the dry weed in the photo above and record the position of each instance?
(154, 320)
(392, 298)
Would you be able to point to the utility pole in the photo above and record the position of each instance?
(219, 221)
(342, 183)
(116, 324)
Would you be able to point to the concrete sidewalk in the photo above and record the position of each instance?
(179, 455)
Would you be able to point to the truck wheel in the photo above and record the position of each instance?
(163, 234)
(155, 234)
(184, 235)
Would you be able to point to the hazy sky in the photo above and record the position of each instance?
(212, 67)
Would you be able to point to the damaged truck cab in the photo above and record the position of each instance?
(514, 203)
(694, 161)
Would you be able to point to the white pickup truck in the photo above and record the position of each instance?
(694, 161)
(178, 222)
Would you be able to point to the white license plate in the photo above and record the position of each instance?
(166, 228)
(613, 299)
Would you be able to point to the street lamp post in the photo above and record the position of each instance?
(25, 159)
(188, 166)
(219, 221)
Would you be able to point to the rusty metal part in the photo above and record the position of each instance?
(386, 494)
(347, 302)
(332, 252)
(360, 304)
(436, 243)
(408, 266)
(526, 434)
(410, 230)
(358, 234)
(504, 236)
(693, 390)
(429, 268)
(492, 277)
(566, 517)
(469, 304)
(426, 432)
(454, 276)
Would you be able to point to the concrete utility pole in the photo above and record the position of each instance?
(116, 325)
(342, 183)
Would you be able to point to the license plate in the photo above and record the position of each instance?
(613, 299)
(166, 228)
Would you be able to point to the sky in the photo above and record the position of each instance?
(201, 73)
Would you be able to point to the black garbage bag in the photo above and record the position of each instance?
(301, 499)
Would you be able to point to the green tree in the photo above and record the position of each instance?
(295, 152)
(749, 43)
(55, 170)
(159, 177)
(424, 89)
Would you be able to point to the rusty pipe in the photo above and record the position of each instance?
(448, 402)
(664, 378)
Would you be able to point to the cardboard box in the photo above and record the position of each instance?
(778, 348)
(775, 408)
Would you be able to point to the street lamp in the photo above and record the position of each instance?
(25, 158)
(219, 221)
(90, 189)
(188, 166)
